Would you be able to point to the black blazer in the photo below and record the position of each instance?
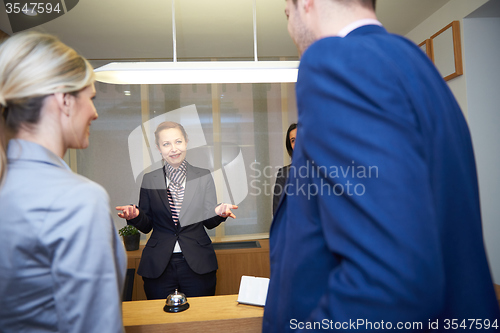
(197, 211)
(279, 186)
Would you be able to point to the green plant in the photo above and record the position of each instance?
(128, 230)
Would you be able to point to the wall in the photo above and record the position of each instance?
(453, 10)
(483, 48)
(477, 94)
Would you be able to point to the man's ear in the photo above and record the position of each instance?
(307, 4)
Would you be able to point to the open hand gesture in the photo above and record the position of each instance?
(224, 210)
(128, 212)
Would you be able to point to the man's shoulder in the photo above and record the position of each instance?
(378, 56)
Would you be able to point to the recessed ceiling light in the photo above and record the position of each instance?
(127, 93)
(198, 72)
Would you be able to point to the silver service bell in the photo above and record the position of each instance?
(176, 302)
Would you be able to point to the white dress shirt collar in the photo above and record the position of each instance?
(356, 24)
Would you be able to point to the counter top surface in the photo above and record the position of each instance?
(141, 313)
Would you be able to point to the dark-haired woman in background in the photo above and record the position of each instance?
(282, 176)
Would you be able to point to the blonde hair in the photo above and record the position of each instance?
(169, 124)
(32, 66)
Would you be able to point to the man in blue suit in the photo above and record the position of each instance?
(380, 228)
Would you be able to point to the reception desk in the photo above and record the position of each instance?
(233, 263)
(205, 314)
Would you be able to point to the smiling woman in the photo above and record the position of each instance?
(177, 202)
(80, 122)
(50, 214)
(171, 141)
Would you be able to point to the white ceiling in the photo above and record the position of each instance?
(132, 30)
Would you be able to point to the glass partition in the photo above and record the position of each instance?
(235, 130)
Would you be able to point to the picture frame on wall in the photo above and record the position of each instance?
(447, 51)
(426, 47)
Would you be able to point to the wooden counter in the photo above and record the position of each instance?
(134, 258)
(205, 314)
(233, 263)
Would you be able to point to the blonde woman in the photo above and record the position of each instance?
(177, 202)
(62, 265)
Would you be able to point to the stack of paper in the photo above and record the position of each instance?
(253, 290)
